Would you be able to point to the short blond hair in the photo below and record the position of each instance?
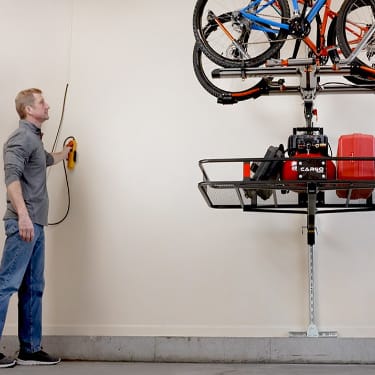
(25, 98)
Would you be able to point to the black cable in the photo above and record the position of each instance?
(67, 186)
(63, 162)
(68, 208)
(61, 118)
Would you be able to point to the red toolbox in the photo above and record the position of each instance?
(356, 145)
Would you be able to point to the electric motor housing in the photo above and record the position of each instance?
(308, 140)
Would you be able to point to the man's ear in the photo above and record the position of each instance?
(28, 109)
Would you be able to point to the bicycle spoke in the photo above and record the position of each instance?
(354, 21)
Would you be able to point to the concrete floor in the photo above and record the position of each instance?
(117, 368)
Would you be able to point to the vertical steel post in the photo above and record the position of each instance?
(312, 329)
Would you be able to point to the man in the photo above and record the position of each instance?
(22, 264)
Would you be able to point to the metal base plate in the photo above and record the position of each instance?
(312, 331)
(319, 334)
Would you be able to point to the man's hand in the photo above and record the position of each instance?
(25, 225)
(65, 151)
(26, 228)
(62, 155)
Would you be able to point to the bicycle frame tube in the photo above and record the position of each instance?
(295, 6)
(328, 14)
(315, 10)
(245, 12)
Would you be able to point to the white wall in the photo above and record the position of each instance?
(141, 253)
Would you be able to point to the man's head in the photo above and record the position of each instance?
(31, 106)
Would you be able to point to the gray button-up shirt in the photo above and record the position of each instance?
(26, 160)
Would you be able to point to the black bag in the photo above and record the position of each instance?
(268, 170)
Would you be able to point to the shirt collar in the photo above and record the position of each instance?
(32, 127)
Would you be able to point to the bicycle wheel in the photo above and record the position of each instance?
(235, 40)
(354, 20)
(335, 56)
(226, 90)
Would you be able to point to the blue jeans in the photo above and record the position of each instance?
(22, 270)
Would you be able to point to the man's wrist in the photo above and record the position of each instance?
(23, 214)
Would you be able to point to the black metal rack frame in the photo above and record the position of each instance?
(253, 203)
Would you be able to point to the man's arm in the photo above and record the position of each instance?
(62, 155)
(25, 225)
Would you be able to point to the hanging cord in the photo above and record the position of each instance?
(61, 118)
(63, 163)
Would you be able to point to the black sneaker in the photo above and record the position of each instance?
(37, 358)
(6, 361)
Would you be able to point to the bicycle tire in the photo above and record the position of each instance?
(332, 41)
(335, 57)
(225, 96)
(354, 15)
(258, 45)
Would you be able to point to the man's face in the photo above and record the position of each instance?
(39, 110)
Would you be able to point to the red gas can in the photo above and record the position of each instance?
(356, 145)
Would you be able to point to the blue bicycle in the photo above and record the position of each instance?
(247, 33)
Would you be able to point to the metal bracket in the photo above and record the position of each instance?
(309, 73)
(360, 45)
(312, 329)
